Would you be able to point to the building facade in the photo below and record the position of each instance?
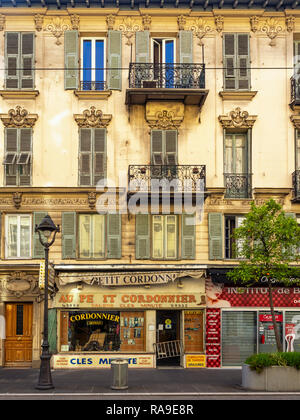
(145, 131)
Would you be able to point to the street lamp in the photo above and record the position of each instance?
(47, 232)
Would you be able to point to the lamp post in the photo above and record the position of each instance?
(47, 232)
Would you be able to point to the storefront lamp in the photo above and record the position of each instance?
(47, 232)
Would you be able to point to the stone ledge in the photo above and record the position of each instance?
(19, 94)
(92, 94)
(237, 95)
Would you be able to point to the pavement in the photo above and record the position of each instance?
(160, 383)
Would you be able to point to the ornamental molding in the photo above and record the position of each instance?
(237, 119)
(129, 27)
(38, 22)
(181, 21)
(164, 120)
(110, 21)
(92, 199)
(200, 28)
(17, 199)
(18, 118)
(75, 22)
(2, 22)
(219, 22)
(92, 118)
(19, 283)
(290, 23)
(271, 28)
(57, 26)
(295, 121)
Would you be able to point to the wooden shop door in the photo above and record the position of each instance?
(18, 343)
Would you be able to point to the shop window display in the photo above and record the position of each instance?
(96, 331)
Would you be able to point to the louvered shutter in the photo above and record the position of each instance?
(12, 62)
(185, 47)
(243, 62)
(188, 236)
(114, 76)
(170, 147)
(114, 236)
(25, 156)
(68, 235)
(215, 235)
(142, 43)
(157, 152)
(71, 59)
(38, 249)
(229, 61)
(142, 236)
(11, 148)
(297, 69)
(99, 155)
(85, 156)
(27, 61)
(52, 329)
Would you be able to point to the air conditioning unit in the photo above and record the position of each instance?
(149, 84)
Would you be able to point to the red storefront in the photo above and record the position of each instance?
(238, 321)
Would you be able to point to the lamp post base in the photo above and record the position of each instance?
(45, 379)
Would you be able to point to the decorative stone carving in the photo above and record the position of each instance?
(38, 21)
(2, 22)
(181, 20)
(146, 22)
(254, 22)
(129, 27)
(57, 27)
(110, 21)
(17, 199)
(19, 283)
(271, 28)
(290, 23)
(75, 21)
(219, 22)
(93, 118)
(237, 119)
(296, 121)
(92, 199)
(200, 29)
(18, 118)
(166, 116)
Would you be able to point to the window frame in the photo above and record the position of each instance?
(93, 59)
(230, 239)
(165, 237)
(90, 257)
(18, 257)
(236, 65)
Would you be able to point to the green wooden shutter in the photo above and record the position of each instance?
(185, 47)
(142, 44)
(71, 59)
(27, 61)
(85, 156)
(215, 235)
(52, 330)
(243, 62)
(99, 155)
(11, 156)
(188, 236)
(25, 157)
(68, 235)
(171, 147)
(12, 60)
(142, 236)
(157, 149)
(297, 61)
(114, 76)
(114, 236)
(38, 249)
(229, 61)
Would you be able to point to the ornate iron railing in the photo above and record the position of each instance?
(238, 185)
(190, 178)
(295, 89)
(296, 184)
(162, 75)
(93, 85)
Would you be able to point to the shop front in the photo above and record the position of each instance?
(151, 319)
(239, 322)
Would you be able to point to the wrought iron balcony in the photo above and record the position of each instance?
(296, 185)
(238, 185)
(169, 76)
(295, 92)
(89, 85)
(179, 178)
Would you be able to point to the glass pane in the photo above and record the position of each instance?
(171, 235)
(99, 65)
(267, 340)
(240, 152)
(157, 237)
(84, 235)
(298, 153)
(292, 322)
(228, 155)
(87, 63)
(12, 236)
(19, 320)
(24, 236)
(98, 235)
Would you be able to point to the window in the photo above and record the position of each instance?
(18, 156)
(92, 156)
(232, 222)
(98, 236)
(18, 236)
(297, 154)
(236, 60)
(164, 236)
(19, 60)
(93, 63)
(164, 147)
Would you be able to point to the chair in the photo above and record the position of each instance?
(96, 341)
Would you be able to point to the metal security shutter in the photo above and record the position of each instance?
(239, 336)
(292, 320)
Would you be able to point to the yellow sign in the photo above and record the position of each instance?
(42, 275)
(195, 361)
(101, 360)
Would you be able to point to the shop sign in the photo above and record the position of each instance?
(51, 275)
(268, 317)
(195, 361)
(129, 300)
(100, 361)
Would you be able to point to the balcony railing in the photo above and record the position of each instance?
(179, 178)
(238, 185)
(296, 185)
(295, 91)
(102, 85)
(162, 75)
